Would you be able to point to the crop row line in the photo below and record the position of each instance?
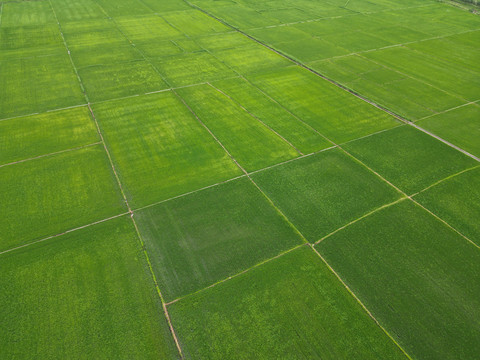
(450, 109)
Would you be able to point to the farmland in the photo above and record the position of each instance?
(239, 179)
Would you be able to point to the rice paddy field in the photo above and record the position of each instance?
(239, 179)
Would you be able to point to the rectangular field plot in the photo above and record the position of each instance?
(405, 96)
(92, 32)
(48, 196)
(38, 84)
(331, 111)
(418, 278)
(457, 201)
(189, 69)
(36, 135)
(105, 82)
(249, 141)
(26, 13)
(27, 41)
(292, 307)
(194, 23)
(459, 126)
(75, 10)
(124, 7)
(409, 158)
(251, 58)
(147, 27)
(299, 134)
(160, 150)
(199, 239)
(85, 294)
(323, 192)
(104, 54)
(221, 41)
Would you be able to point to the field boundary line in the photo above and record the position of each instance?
(334, 82)
(51, 154)
(361, 218)
(445, 179)
(235, 275)
(140, 239)
(43, 112)
(256, 118)
(63, 233)
(354, 13)
(446, 111)
(359, 301)
(373, 134)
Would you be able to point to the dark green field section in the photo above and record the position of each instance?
(84, 295)
(291, 308)
(164, 156)
(202, 238)
(37, 135)
(409, 159)
(239, 179)
(457, 200)
(53, 194)
(323, 192)
(418, 278)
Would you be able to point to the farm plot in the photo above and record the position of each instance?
(85, 294)
(323, 192)
(326, 108)
(37, 135)
(35, 84)
(53, 194)
(408, 158)
(249, 141)
(199, 239)
(457, 200)
(291, 307)
(417, 277)
(257, 103)
(160, 149)
(460, 126)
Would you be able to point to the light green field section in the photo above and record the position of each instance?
(222, 41)
(105, 82)
(194, 23)
(323, 192)
(36, 135)
(457, 201)
(48, 196)
(147, 27)
(92, 32)
(292, 307)
(160, 150)
(75, 10)
(459, 126)
(251, 59)
(25, 13)
(330, 110)
(416, 276)
(250, 142)
(88, 294)
(38, 84)
(205, 237)
(409, 158)
(124, 7)
(166, 5)
(188, 69)
(300, 135)
(104, 54)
